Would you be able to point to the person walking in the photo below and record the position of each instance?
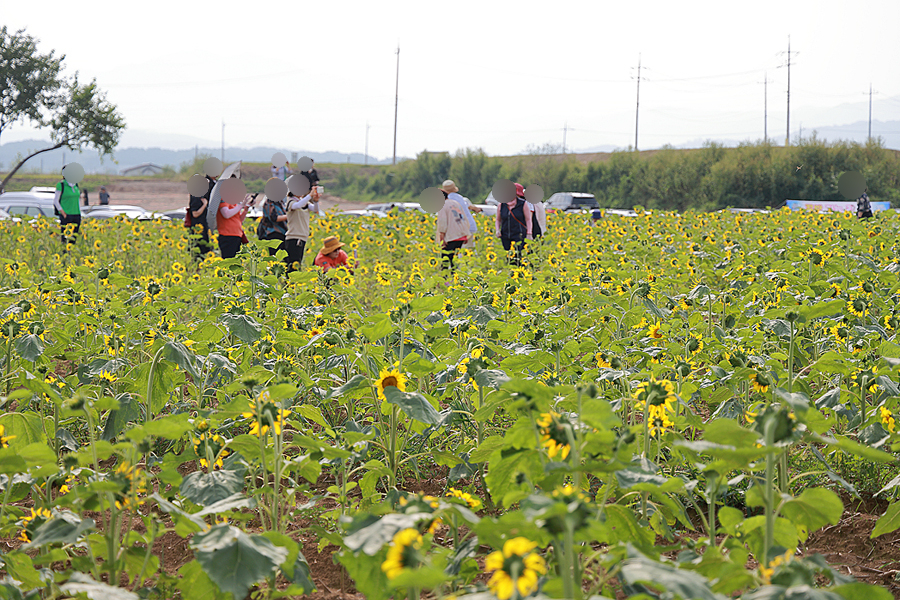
(452, 191)
(513, 225)
(273, 223)
(197, 211)
(84, 193)
(104, 196)
(863, 206)
(297, 234)
(452, 230)
(230, 223)
(65, 201)
(536, 229)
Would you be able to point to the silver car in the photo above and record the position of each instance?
(31, 204)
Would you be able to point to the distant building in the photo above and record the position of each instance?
(143, 169)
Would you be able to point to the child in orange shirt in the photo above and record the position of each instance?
(331, 255)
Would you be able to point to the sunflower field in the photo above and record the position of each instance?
(664, 406)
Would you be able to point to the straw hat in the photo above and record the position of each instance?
(449, 187)
(331, 244)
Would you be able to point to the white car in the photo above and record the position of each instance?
(400, 206)
(29, 204)
(363, 212)
(110, 211)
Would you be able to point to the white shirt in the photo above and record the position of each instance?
(541, 214)
(464, 205)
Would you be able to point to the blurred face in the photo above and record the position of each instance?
(334, 253)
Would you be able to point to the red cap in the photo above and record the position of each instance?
(520, 190)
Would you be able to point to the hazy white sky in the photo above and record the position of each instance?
(496, 75)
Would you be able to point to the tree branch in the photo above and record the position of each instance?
(23, 161)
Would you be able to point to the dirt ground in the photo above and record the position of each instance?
(158, 195)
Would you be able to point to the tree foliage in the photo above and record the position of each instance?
(753, 175)
(33, 89)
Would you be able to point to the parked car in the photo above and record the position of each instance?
(571, 201)
(5, 216)
(113, 210)
(32, 204)
(176, 214)
(488, 210)
(400, 206)
(40, 189)
(363, 212)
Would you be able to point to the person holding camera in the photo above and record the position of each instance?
(297, 235)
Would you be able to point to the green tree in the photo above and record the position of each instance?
(33, 90)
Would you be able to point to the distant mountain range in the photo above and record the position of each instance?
(52, 162)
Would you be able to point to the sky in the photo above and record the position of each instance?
(500, 76)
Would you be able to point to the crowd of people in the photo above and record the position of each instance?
(287, 220)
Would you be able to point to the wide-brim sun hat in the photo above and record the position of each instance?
(330, 244)
(449, 187)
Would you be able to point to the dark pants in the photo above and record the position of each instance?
(295, 250)
(70, 220)
(229, 245)
(520, 246)
(449, 252)
(201, 243)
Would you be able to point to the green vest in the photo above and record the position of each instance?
(69, 198)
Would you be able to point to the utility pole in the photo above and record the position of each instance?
(396, 103)
(366, 157)
(766, 108)
(637, 104)
(787, 140)
(565, 131)
(223, 140)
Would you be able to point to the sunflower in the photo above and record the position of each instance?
(210, 445)
(393, 378)
(858, 306)
(867, 378)
(658, 419)
(4, 439)
(269, 415)
(656, 392)
(132, 482)
(840, 333)
(403, 553)
(654, 331)
(554, 435)
(470, 500)
(31, 522)
(516, 569)
(887, 419)
(694, 344)
(760, 382)
(107, 376)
